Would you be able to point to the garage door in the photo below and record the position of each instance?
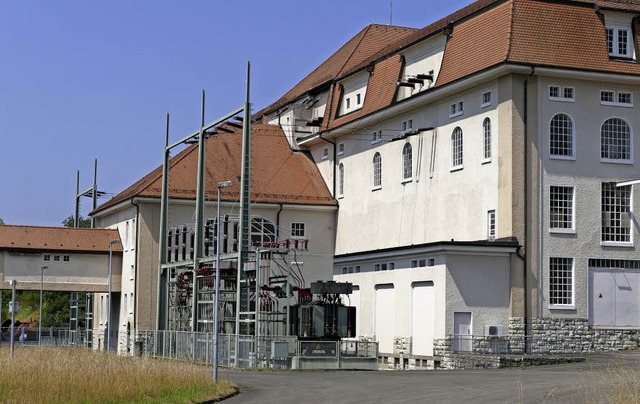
(384, 319)
(614, 298)
(422, 318)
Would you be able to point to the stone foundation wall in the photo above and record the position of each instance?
(577, 334)
(402, 345)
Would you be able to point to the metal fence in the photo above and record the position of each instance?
(50, 337)
(517, 345)
(245, 351)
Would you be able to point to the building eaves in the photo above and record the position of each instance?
(508, 243)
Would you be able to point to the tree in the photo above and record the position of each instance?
(70, 222)
(1, 221)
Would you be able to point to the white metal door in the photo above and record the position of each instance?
(422, 318)
(614, 298)
(462, 331)
(384, 319)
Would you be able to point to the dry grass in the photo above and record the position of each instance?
(77, 375)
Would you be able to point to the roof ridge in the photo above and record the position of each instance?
(353, 51)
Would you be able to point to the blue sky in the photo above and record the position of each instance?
(83, 80)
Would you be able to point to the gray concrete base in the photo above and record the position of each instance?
(344, 363)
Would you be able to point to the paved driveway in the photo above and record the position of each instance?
(586, 382)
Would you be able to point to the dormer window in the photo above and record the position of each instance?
(618, 34)
(618, 39)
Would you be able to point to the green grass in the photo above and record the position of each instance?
(79, 375)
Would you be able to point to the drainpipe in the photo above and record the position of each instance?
(527, 163)
(135, 263)
(278, 222)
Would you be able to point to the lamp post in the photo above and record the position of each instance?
(111, 243)
(42, 268)
(216, 302)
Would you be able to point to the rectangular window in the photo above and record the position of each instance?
(607, 96)
(624, 98)
(491, 224)
(56, 258)
(406, 125)
(100, 309)
(456, 109)
(568, 93)
(349, 270)
(414, 263)
(132, 272)
(486, 99)
(358, 99)
(131, 303)
(391, 266)
(376, 136)
(376, 267)
(344, 270)
(431, 262)
(66, 258)
(621, 98)
(325, 153)
(47, 258)
(561, 208)
(357, 269)
(126, 236)
(297, 230)
(616, 205)
(557, 93)
(561, 281)
(340, 149)
(348, 103)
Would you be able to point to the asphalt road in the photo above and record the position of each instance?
(591, 381)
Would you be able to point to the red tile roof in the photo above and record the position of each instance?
(278, 174)
(13, 237)
(365, 43)
(486, 33)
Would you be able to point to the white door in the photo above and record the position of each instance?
(422, 318)
(462, 332)
(384, 320)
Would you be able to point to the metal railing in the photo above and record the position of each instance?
(517, 345)
(245, 351)
(50, 337)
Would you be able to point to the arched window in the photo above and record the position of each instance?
(561, 136)
(377, 170)
(407, 162)
(341, 179)
(456, 148)
(615, 140)
(486, 132)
